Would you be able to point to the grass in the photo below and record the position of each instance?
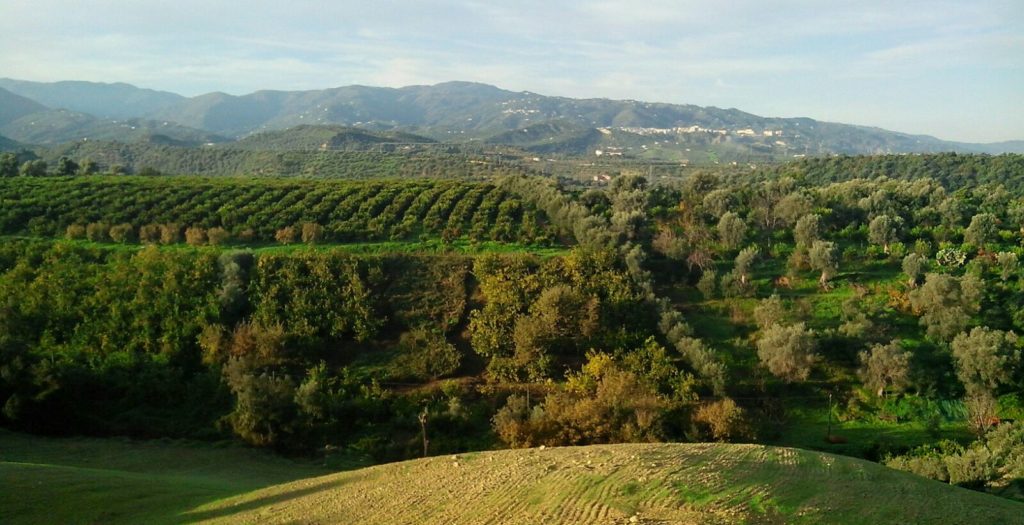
(656, 483)
(80, 480)
(83, 480)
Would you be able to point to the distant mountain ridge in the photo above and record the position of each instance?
(465, 111)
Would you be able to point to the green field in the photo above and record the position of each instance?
(78, 480)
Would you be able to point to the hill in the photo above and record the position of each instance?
(118, 100)
(13, 107)
(663, 483)
(465, 111)
(656, 483)
(307, 137)
(57, 126)
(82, 480)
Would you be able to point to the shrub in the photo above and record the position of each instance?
(724, 420)
(75, 231)
(195, 236)
(286, 235)
(217, 235)
(122, 233)
(97, 231)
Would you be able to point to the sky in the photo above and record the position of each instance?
(951, 69)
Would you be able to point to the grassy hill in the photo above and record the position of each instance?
(80, 480)
(663, 483)
(86, 480)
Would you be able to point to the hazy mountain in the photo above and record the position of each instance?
(55, 126)
(7, 144)
(13, 107)
(118, 100)
(463, 111)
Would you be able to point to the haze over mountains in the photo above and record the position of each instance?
(52, 113)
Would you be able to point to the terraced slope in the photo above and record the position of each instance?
(664, 483)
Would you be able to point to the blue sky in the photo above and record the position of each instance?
(952, 69)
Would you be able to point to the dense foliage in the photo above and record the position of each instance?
(259, 209)
(719, 308)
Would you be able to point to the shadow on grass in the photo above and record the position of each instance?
(194, 516)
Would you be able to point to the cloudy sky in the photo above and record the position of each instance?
(953, 69)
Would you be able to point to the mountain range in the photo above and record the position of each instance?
(460, 112)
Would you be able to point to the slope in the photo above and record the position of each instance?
(80, 480)
(651, 483)
(117, 100)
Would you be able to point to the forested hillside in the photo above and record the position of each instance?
(864, 306)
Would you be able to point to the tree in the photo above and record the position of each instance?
(8, 165)
(769, 312)
(66, 167)
(217, 235)
(427, 355)
(75, 231)
(724, 420)
(744, 263)
(122, 233)
(788, 352)
(883, 231)
(985, 358)
(945, 303)
(823, 258)
(707, 283)
(561, 319)
(286, 235)
(33, 168)
(170, 233)
(731, 230)
(97, 231)
(792, 207)
(885, 367)
(312, 232)
(914, 266)
(984, 227)
(195, 236)
(807, 230)
(1008, 264)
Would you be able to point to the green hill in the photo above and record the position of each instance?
(308, 137)
(86, 481)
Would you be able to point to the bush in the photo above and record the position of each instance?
(97, 231)
(216, 236)
(286, 235)
(723, 420)
(195, 236)
(122, 233)
(426, 354)
(75, 231)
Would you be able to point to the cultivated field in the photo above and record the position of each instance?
(44, 480)
(650, 483)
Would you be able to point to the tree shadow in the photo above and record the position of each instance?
(193, 516)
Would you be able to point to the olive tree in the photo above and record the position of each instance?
(807, 230)
(983, 228)
(883, 231)
(885, 367)
(946, 304)
(788, 352)
(914, 266)
(744, 263)
(731, 230)
(823, 258)
(985, 358)
(1008, 264)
